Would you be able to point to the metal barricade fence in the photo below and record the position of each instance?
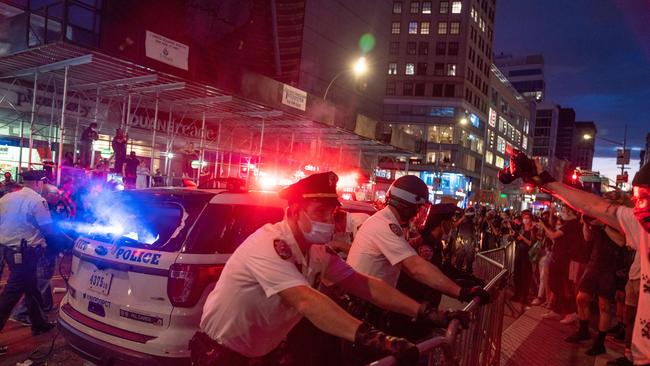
(480, 344)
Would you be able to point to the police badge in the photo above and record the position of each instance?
(282, 248)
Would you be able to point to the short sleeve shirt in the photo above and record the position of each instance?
(21, 215)
(379, 247)
(639, 239)
(244, 311)
(354, 222)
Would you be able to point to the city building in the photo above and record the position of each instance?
(566, 135)
(645, 153)
(585, 144)
(545, 133)
(437, 92)
(526, 74)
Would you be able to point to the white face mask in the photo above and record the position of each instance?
(320, 233)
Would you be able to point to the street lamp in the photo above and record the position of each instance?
(623, 145)
(359, 68)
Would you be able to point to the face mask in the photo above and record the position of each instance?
(320, 233)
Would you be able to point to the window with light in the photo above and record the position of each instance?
(392, 68)
(397, 7)
(410, 69)
(426, 7)
(444, 7)
(413, 27)
(424, 27)
(489, 157)
(395, 28)
(442, 27)
(455, 28)
(441, 134)
(451, 69)
(456, 7)
(500, 162)
(501, 144)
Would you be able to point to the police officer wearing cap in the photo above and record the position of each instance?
(25, 224)
(269, 282)
(380, 248)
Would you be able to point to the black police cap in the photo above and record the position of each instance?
(321, 187)
(33, 175)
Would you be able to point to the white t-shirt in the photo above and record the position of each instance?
(244, 311)
(639, 239)
(354, 222)
(21, 214)
(379, 247)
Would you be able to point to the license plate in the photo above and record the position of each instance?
(100, 281)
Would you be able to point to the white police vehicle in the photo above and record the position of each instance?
(139, 281)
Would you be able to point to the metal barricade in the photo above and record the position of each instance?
(480, 344)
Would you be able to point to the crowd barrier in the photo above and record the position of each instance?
(480, 344)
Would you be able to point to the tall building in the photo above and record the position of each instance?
(585, 144)
(545, 133)
(645, 154)
(437, 89)
(566, 136)
(526, 74)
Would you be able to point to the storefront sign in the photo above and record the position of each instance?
(167, 50)
(184, 128)
(493, 118)
(294, 97)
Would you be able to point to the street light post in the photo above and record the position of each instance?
(614, 142)
(359, 68)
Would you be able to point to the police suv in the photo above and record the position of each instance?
(141, 273)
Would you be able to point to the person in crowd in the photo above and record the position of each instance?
(632, 290)
(22, 244)
(565, 236)
(131, 170)
(634, 223)
(543, 259)
(467, 237)
(491, 230)
(524, 240)
(88, 138)
(346, 225)
(68, 159)
(142, 175)
(119, 150)
(158, 179)
(269, 282)
(599, 279)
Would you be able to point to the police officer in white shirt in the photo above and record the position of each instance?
(633, 222)
(381, 250)
(269, 284)
(25, 223)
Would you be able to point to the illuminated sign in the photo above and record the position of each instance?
(382, 173)
(311, 168)
(442, 112)
(493, 118)
(474, 120)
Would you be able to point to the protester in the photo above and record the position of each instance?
(88, 138)
(524, 239)
(131, 170)
(467, 238)
(143, 175)
(119, 150)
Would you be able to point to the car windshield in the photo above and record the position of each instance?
(222, 228)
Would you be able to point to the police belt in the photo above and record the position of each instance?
(205, 351)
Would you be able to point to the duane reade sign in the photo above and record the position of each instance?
(294, 97)
(167, 50)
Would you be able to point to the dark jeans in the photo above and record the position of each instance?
(22, 280)
(560, 285)
(44, 273)
(85, 153)
(523, 276)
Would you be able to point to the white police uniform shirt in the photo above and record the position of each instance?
(639, 239)
(354, 220)
(379, 247)
(21, 215)
(244, 311)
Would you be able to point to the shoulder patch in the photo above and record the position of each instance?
(396, 229)
(282, 248)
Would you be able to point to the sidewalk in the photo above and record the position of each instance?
(533, 341)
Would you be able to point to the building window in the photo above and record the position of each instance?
(444, 7)
(395, 28)
(413, 27)
(491, 139)
(439, 69)
(390, 88)
(500, 163)
(411, 48)
(424, 27)
(408, 89)
(426, 7)
(450, 90)
(503, 128)
(456, 7)
(441, 134)
(453, 49)
(392, 68)
(397, 7)
(455, 28)
(423, 48)
(410, 68)
(419, 88)
(422, 68)
(451, 69)
(439, 157)
(415, 7)
(489, 157)
(501, 144)
(437, 90)
(442, 27)
(394, 48)
(441, 48)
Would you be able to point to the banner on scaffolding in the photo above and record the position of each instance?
(183, 127)
(167, 50)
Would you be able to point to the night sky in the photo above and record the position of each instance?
(597, 61)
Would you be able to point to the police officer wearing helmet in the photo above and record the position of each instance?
(269, 282)
(25, 228)
(381, 250)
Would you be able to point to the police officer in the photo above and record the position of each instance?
(25, 223)
(381, 250)
(269, 282)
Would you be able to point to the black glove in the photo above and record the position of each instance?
(468, 294)
(441, 319)
(406, 353)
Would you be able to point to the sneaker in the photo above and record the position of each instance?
(44, 329)
(577, 337)
(3, 350)
(569, 319)
(536, 302)
(596, 350)
(22, 320)
(552, 315)
(621, 361)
